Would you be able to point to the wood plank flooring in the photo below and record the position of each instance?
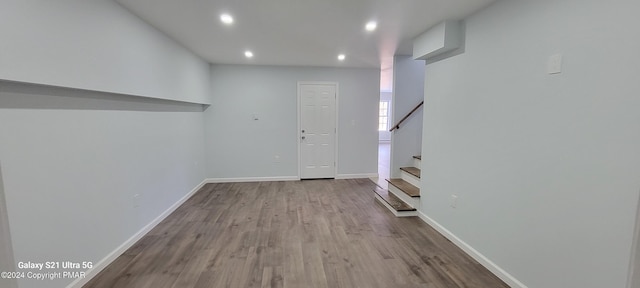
(320, 233)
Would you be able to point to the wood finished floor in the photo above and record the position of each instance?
(321, 233)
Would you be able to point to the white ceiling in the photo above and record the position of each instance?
(301, 32)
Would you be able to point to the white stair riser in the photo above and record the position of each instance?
(396, 213)
(417, 163)
(413, 180)
(413, 201)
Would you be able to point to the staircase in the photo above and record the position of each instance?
(403, 195)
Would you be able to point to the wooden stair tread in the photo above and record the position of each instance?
(393, 201)
(419, 157)
(411, 170)
(405, 187)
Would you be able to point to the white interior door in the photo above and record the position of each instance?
(317, 113)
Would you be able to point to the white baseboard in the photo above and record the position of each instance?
(251, 179)
(100, 265)
(484, 261)
(357, 176)
(283, 178)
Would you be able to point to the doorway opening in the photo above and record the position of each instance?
(384, 138)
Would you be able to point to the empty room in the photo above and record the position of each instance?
(218, 143)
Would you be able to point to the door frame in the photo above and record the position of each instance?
(633, 277)
(6, 247)
(299, 133)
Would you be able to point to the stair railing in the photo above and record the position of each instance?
(397, 126)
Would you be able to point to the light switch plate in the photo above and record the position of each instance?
(453, 202)
(554, 65)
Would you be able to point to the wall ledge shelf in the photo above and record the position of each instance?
(93, 99)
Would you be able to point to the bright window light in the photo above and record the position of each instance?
(383, 116)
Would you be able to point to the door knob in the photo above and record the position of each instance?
(302, 131)
(303, 137)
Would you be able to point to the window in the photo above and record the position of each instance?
(383, 120)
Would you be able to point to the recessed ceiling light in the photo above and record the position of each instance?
(226, 19)
(371, 25)
(248, 54)
(341, 57)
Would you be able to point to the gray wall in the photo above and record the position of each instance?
(95, 45)
(239, 147)
(70, 173)
(546, 167)
(73, 159)
(408, 91)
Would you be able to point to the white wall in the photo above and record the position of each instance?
(546, 167)
(385, 135)
(73, 159)
(95, 45)
(239, 147)
(408, 91)
(72, 165)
